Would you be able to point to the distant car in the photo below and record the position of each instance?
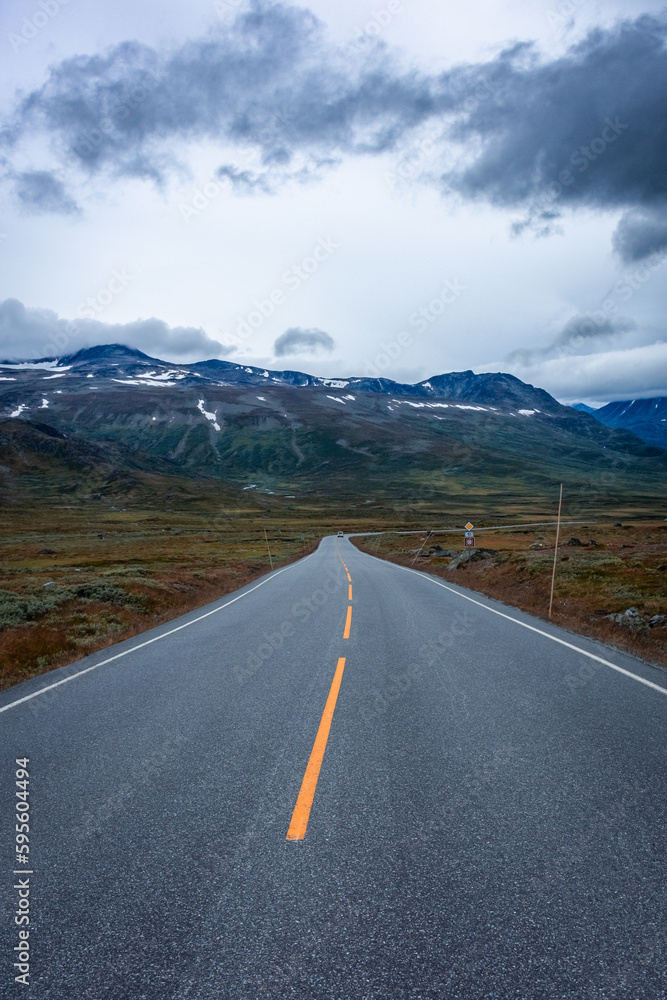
(340, 534)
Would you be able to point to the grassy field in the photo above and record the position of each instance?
(82, 569)
(625, 568)
(76, 579)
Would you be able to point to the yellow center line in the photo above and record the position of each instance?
(304, 802)
(348, 620)
(349, 578)
(349, 596)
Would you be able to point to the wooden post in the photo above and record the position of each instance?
(428, 535)
(268, 549)
(553, 575)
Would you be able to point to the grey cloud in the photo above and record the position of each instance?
(539, 117)
(585, 332)
(38, 333)
(245, 180)
(40, 191)
(269, 78)
(639, 234)
(585, 129)
(635, 373)
(298, 340)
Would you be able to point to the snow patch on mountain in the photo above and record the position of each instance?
(209, 416)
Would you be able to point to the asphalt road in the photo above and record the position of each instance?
(488, 820)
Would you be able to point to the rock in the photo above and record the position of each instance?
(470, 555)
(536, 545)
(618, 525)
(631, 618)
(573, 541)
(657, 621)
(592, 543)
(46, 552)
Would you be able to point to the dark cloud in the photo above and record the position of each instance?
(245, 180)
(268, 79)
(39, 333)
(640, 234)
(585, 129)
(297, 340)
(40, 191)
(581, 334)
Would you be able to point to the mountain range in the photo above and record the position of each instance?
(115, 364)
(490, 437)
(647, 418)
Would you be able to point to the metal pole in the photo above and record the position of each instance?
(553, 575)
(267, 547)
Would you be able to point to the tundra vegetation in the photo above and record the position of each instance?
(611, 575)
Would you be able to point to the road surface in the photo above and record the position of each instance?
(277, 797)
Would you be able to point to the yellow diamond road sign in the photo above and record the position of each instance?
(469, 526)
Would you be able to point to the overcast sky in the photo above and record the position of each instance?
(399, 188)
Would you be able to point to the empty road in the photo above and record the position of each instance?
(346, 780)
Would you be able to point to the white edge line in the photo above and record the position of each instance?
(577, 649)
(148, 642)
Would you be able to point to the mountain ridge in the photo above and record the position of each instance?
(647, 418)
(496, 388)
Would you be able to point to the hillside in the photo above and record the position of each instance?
(489, 438)
(647, 418)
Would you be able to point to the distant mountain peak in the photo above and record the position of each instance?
(103, 352)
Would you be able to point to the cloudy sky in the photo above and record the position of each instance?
(397, 188)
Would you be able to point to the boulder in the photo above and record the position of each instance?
(630, 618)
(573, 541)
(471, 555)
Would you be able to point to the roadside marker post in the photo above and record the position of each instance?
(469, 538)
(268, 549)
(553, 574)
